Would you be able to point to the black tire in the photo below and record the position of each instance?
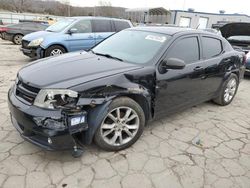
(17, 39)
(221, 99)
(51, 49)
(122, 102)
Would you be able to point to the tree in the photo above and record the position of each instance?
(105, 9)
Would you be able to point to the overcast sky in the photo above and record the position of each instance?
(230, 6)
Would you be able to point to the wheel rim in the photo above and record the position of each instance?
(120, 126)
(18, 39)
(230, 90)
(56, 52)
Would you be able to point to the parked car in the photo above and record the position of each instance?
(247, 72)
(238, 35)
(109, 93)
(71, 34)
(16, 32)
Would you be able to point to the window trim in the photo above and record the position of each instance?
(213, 37)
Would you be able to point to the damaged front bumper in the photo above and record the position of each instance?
(49, 129)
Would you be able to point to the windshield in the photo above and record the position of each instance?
(60, 25)
(132, 46)
(239, 38)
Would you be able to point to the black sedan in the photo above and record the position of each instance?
(110, 93)
(16, 32)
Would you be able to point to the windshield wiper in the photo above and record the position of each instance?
(106, 55)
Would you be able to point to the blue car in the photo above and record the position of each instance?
(71, 34)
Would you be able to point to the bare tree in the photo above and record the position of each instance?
(105, 9)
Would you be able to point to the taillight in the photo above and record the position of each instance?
(3, 29)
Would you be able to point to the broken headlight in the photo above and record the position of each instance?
(56, 98)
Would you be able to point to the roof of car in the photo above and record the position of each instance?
(168, 30)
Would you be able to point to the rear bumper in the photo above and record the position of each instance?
(8, 36)
(24, 120)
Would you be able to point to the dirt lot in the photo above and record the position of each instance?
(205, 146)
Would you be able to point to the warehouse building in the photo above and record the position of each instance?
(204, 20)
(183, 18)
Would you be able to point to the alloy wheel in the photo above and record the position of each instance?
(230, 90)
(18, 39)
(120, 126)
(56, 52)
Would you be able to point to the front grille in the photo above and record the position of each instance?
(26, 92)
(25, 44)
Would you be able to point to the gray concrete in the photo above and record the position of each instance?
(205, 146)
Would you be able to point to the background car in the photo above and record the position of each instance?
(238, 35)
(247, 72)
(16, 32)
(71, 34)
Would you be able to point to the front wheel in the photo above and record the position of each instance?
(122, 125)
(228, 91)
(55, 50)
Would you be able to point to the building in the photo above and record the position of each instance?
(148, 15)
(183, 18)
(204, 20)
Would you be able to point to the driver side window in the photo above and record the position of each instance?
(83, 26)
(186, 49)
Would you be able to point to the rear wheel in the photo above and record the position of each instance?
(122, 126)
(17, 39)
(228, 91)
(55, 50)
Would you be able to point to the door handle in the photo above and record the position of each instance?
(90, 37)
(198, 68)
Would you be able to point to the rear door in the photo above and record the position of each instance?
(83, 38)
(102, 29)
(214, 63)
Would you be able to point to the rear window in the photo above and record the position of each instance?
(101, 26)
(120, 25)
(211, 47)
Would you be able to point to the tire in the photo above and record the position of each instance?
(54, 51)
(17, 39)
(221, 99)
(122, 126)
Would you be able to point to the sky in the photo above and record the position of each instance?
(230, 6)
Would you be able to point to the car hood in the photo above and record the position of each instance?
(234, 29)
(71, 69)
(38, 34)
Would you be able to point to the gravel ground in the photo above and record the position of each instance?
(204, 146)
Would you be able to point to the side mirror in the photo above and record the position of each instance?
(171, 63)
(72, 30)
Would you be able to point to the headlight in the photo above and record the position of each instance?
(56, 98)
(35, 42)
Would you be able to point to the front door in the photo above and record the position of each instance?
(177, 89)
(83, 38)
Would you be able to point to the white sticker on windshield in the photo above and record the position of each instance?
(156, 38)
